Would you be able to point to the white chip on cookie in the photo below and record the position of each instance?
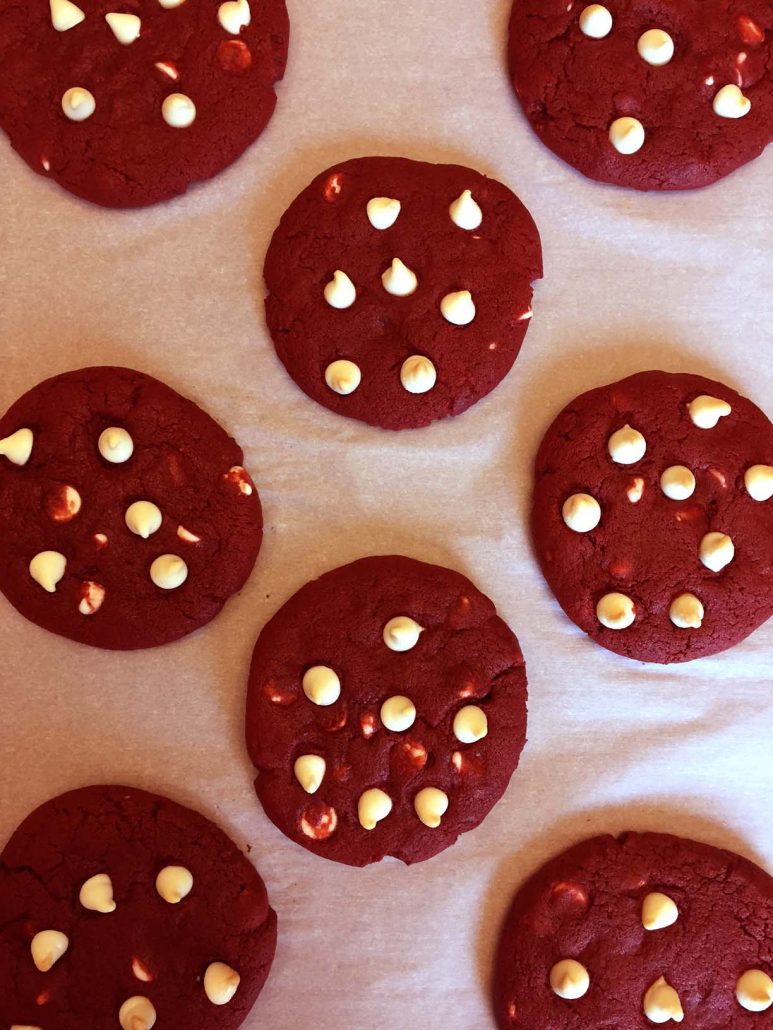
(383, 212)
(465, 212)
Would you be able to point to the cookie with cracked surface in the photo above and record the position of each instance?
(651, 515)
(120, 908)
(652, 96)
(129, 108)
(637, 930)
(399, 292)
(127, 519)
(386, 711)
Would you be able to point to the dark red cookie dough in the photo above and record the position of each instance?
(327, 228)
(183, 462)
(125, 154)
(573, 87)
(147, 947)
(465, 656)
(586, 904)
(649, 549)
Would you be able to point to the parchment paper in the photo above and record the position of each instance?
(631, 282)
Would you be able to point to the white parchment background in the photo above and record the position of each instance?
(631, 282)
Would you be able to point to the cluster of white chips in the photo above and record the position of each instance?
(418, 373)
(143, 518)
(322, 686)
(656, 47)
(582, 513)
(173, 884)
(570, 979)
(177, 109)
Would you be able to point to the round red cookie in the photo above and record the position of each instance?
(709, 916)
(69, 560)
(148, 901)
(671, 554)
(414, 746)
(686, 73)
(473, 257)
(119, 140)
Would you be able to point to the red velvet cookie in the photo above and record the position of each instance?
(126, 517)
(119, 908)
(638, 930)
(126, 104)
(400, 292)
(386, 711)
(652, 516)
(650, 95)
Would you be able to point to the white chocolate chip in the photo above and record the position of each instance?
(730, 102)
(47, 569)
(340, 292)
(47, 948)
(18, 1026)
(141, 971)
(17, 447)
(96, 894)
(137, 1013)
(321, 685)
(754, 990)
(234, 15)
(581, 513)
(78, 104)
(758, 481)
(595, 21)
(168, 69)
(63, 503)
(238, 475)
(126, 27)
(220, 983)
(187, 536)
(174, 883)
(465, 212)
(398, 713)
(470, 724)
(716, 551)
(686, 612)
(655, 47)
(626, 135)
(635, 490)
(399, 280)
(706, 411)
(321, 824)
(418, 374)
(100, 539)
(169, 571)
(616, 611)
(402, 633)
(658, 911)
(373, 806)
(458, 308)
(178, 111)
(92, 597)
(569, 979)
(431, 804)
(383, 212)
(661, 1003)
(310, 772)
(169, 5)
(65, 15)
(143, 518)
(677, 482)
(627, 446)
(343, 376)
(115, 445)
